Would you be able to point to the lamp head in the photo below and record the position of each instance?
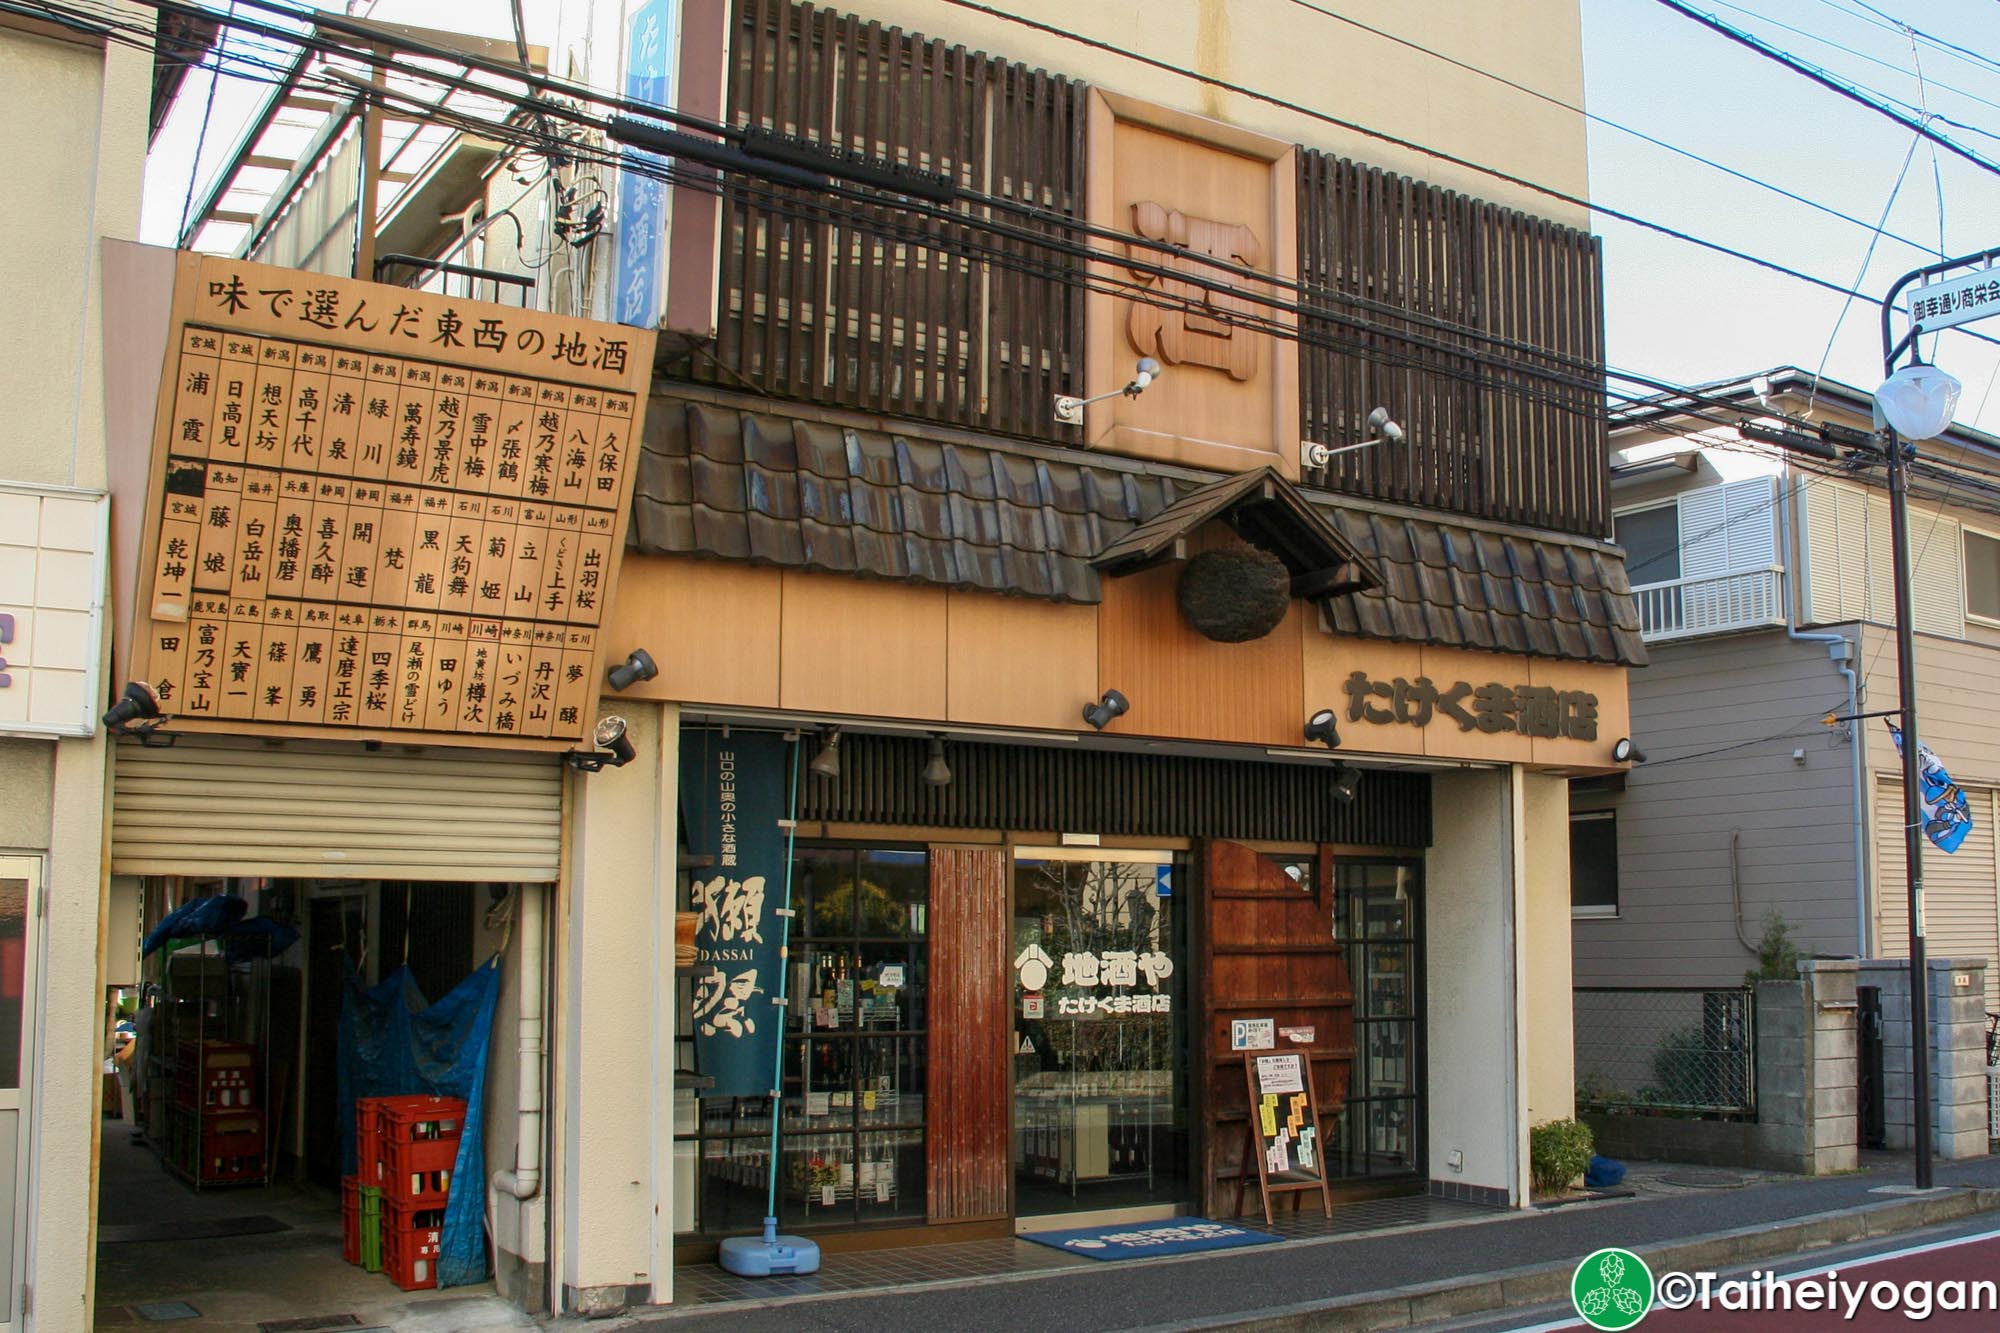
(937, 772)
(1345, 781)
(1380, 426)
(1321, 727)
(614, 749)
(826, 764)
(639, 666)
(1624, 752)
(1147, 371)
(138, 702)
(1918, 401)
(1101, 714)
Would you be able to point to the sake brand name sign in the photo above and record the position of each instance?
(378, 511)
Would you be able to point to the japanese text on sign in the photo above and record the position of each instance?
(385, 509)
(1540, 711)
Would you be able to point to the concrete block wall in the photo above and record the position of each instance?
(1957, 1052)
(1781, 1136)
(1834, 1132)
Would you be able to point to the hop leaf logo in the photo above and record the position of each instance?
(1612, 1289)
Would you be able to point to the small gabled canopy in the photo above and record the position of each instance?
(1265, 510)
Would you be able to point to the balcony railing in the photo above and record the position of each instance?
(1685, 608)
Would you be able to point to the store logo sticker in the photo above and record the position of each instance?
(1612, 1289)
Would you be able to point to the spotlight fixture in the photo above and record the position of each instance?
(1627, 753)
(1069, 411)
(614, 747)
(1101, 714)
(1320, 727)
(137, 713)
(937, 772)
(1381, 429)
(639, 666)
(826, 764)
(1345, 780)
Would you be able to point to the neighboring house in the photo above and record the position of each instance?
(867, 529)
(1763, 580)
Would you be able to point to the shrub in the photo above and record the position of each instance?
(1558, 1152)
(1777, 953)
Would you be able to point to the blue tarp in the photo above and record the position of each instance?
(203, 917)
(394, 1043)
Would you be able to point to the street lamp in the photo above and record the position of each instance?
(1916, 402)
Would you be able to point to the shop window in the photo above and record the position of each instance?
(1593, 863)
(1982, 576)
(1377, 913)
(851, 1140)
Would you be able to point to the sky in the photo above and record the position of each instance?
(1673, 312)
(1688, 316)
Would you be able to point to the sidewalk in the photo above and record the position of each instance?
(1462, 1263)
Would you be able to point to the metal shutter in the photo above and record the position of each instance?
(233, 806)
(1961, 893)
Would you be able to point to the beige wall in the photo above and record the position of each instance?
(1319, 63)
(1548, 1053)
(78, 131)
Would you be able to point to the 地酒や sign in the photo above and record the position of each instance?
(1953, 301)
(1530, 710)
(379, 510)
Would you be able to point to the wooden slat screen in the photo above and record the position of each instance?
(848, 306)
(970, 1093)
(1517, 442)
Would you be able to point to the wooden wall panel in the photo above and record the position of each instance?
(1021, 663)
(661, 597)
(1182, 684)
(1268, 952)
(855, 646)
(972, 1006)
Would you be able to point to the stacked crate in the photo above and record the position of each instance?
(405, 1150)
(215, 1126)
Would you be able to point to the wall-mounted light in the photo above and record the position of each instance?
(1102, 713)
(1345, 780)
(1380, 427)
(639, 666)
(614, 747)
(1320, 727)
(826, 764)
(1069, 411)
(1627, 753)
(937, 772)
(137, 713)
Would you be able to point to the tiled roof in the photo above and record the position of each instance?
(720, 481)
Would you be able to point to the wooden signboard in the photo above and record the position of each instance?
(383, 513)
(1284, 1141)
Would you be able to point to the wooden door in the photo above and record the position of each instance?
(971, 1018)
(1268, 951)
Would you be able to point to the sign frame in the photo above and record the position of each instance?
(261, 317)
(1312, 1178)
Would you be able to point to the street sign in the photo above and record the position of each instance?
(1960, 300)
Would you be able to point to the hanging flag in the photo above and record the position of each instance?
(1947, 816)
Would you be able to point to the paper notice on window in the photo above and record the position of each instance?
(816, 1103)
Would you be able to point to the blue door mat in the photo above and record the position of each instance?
(1147, 1240)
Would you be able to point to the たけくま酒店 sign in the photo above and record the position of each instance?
(380, 511)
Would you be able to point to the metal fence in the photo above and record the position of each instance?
(1668, 1048)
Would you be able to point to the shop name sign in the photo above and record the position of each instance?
(1960, 300)
(1086, 971)
(1540, 711)
(379, 511)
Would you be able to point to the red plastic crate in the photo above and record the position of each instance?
(419, 1147)
(350, 1219)
(232, 1147)
(214, 1075)
(368, 1140)
(411, 1241)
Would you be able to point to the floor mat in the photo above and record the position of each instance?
(1146, 1240)
(126, 1233)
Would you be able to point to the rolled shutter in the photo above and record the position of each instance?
(230, 806)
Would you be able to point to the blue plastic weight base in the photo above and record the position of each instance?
(769, 1255)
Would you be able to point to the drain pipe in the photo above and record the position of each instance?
(524, 1181)
(1841, 649)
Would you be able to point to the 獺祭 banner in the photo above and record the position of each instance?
(733, 795)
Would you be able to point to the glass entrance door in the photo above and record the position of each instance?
(1100, 1036)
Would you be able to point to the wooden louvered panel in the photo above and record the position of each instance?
(1961, 890)
(971, 1171)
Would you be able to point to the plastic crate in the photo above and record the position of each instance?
(411, 1241)
(368, 1140)
(350, 1219)
(371, 1228)
(213, 1076)
(420, 1138)
(232, 1148)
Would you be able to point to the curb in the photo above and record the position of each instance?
(1405, 1307)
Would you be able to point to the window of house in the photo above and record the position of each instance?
(1593, 863)
(1982, 575)
(1652, 542)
